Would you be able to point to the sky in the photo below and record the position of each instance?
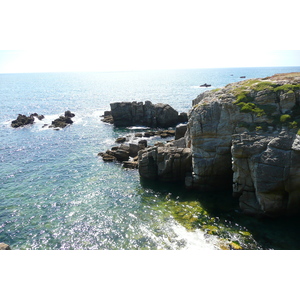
(115, 35)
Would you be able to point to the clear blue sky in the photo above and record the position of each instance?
(113, 35)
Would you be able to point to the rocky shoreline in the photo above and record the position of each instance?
(242, 137)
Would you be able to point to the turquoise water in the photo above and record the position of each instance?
(56, 193)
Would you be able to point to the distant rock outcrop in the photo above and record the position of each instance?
(23, 120)
(63, 121)
(136, 113)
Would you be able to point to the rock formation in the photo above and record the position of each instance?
(4, 246)
(63, 121)
(245, 134)
(169, 164)
(241, 137)
(136, 113)
(23, 120)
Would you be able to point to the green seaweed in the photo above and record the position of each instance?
(285, 118)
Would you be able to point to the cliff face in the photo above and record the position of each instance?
(245, 134)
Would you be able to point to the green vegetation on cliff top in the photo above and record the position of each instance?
(245, 101)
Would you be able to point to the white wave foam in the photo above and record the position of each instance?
(193, 240)
(138, 128)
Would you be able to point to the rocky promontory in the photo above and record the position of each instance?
(242, 137)
(124, 114)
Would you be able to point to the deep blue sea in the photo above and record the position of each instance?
(56, 193)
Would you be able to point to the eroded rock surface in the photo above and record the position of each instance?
(23, 120)
(246, 134)
(137, 113)
(168, 164)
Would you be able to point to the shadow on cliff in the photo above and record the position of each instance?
(269, 233)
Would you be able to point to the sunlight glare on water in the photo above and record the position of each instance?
(56, 193)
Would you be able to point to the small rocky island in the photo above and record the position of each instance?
(243, 137)
(23, 120)
(61, 122)
(159, 115)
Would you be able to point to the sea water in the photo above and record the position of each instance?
(57, 193)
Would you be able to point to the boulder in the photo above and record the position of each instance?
(121, 140)
(133, 149)
(4, 246)
(68, 114)
(169, 164)
(21, 121)
(107, 117)
(63, 121)
(180, 131)
(121, 154)
(130, 164)
(107, 157)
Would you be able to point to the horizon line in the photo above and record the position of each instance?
(141, 70)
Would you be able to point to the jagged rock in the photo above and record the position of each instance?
(183, 117)
(4, 246)
(107, 157)
(266, 176)
(121, 155)
(63, 121)
(148, 114)
(244, 134)
(180, 131)
(243, 137)
(68, 114)
(23, 120)
(130, 164)
(40, 117)
(121, 140)
(133, 149)
(169, 164)
(143, 144)
(107, 117)
(180, 143)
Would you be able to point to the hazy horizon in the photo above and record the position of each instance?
(68, 36)
(26, 61)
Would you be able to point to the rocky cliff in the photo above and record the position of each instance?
(244, 137)
(245, 134)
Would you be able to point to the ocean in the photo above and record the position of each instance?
(57, 193)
